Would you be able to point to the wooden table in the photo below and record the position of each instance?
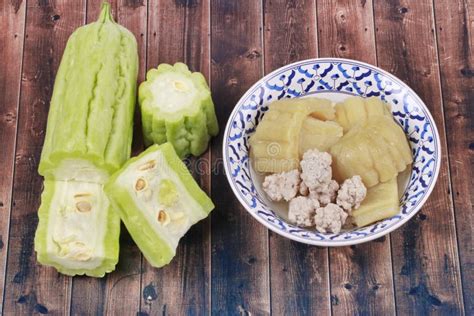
(230, 264)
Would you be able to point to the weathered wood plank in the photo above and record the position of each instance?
(31, 288)
(455, 34)
(240, 282)
(299, 278)
(12, 24)
(346, 30)
(425, 258)
(178, 31)
(290, 32)
(299, 273)
(361, 276)
(166, 28)
(117, 293)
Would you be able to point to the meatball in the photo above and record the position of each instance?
(329, 219)
(301, 211)
(316, 168)
(351, 193)
(326, 193)
(283, 185)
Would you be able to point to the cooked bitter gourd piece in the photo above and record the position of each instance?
(355, 110)
(380, 202)
(177, 107)
(78, 232)
(377, 150)
(317, 134)
(158, 200)
(321, 109)
(89, 131)
(274, 145)
(277, 141)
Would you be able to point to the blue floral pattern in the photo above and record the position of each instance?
(335, 76)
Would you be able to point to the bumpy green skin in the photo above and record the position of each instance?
(111, 240)
(90, 120)
(188, 130)
(153, 246)
(91, 111)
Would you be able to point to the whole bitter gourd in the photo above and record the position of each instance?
(177, 107)
(91, 112)
(88, 137)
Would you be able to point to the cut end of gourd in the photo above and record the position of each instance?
(176, 107)
(172, 91)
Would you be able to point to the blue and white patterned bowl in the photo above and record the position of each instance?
(335, 79)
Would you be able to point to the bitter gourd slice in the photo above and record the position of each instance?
(274, 145)
(91, 112)
(317, 134)
(158, 201)
(177, 107)
(78, 232)
(377, 150)
(318, 108)
(357, 110)
(381, 202)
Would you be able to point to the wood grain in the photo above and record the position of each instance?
(240, 282)
(361, 276)
(299, 274)
(427, 43)
(31, 288)
(455, 39)
(12, 24)
(117, 293)
(346, 29)
(425, 258)
(290, 32)
(178, 31)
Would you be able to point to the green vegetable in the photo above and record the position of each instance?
(158, 200)
(177, 107)
(91, 112)
(78, 232)
(88, 137)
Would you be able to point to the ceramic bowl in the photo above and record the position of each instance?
(334, 79)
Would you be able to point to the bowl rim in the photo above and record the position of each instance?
(326, 243)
